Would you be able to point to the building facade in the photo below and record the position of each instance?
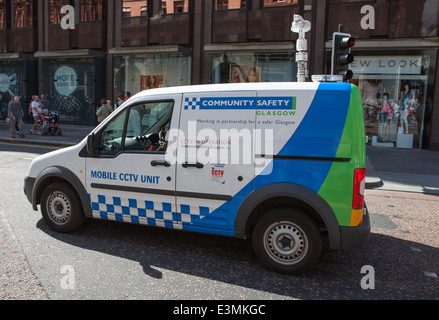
(132, 45)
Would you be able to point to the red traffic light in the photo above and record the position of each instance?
(346, 42)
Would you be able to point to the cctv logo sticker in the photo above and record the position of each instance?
(240, 103)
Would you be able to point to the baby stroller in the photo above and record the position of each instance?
(49, 123)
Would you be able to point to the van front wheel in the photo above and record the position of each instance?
(287, 240)
(61, 208)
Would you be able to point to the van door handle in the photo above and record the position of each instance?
(196, 165)
(155, 163)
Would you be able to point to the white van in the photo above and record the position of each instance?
(280, 163)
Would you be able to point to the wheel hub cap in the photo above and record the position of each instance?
(59, 208)
(285, 242)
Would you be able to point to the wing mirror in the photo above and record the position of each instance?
(92, 149)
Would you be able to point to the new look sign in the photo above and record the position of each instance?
(387, 65)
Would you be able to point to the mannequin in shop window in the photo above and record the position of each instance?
(370, 90)
(386, 111)
(404, 107)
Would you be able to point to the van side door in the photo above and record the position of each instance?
(215, 170)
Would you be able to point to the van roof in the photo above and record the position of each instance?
(237, 87)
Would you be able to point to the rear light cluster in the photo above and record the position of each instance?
(359, 187)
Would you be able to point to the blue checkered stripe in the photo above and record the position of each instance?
(159, 214)
(192, 103)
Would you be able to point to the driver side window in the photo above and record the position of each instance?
(147, 126)
(112, 135)
(146, 129)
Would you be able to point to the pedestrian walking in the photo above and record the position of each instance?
(36, 110)
(16, 115)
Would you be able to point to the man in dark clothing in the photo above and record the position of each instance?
(45, 102)
(15, 113)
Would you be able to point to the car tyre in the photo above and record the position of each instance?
(287, 240)
(61, 208)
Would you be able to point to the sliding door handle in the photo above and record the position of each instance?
(156, 163)
(195, 165)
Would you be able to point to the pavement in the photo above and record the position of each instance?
(389, 169)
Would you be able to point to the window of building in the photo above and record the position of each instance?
(279, 3)
(142, 72)
(230, 4)
(134, 8)
(251, 67)
(393, 89)
(23, 13)
(2, 14)
(91, 10)
(174, 6)
(350, 0)
(55, 10)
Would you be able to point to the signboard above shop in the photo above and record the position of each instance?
(387, 65)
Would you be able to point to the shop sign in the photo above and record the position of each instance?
(387, 65)
(65, 80)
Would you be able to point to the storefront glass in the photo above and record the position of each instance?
(251, 67)
(70, 87)
(394, 92)
(141, 72)
(13, 81)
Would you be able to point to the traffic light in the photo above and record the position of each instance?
(341, 55)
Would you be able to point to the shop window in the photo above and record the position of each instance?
(251, 67)
(174, 7)
(393, 90)
(143, 72)
(22, 13)
(230, 4)
(12, 82)
(134, 8)
(70, 88)
(91, 10)
(55, 10)
(279, 3)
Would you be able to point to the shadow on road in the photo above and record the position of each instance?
(399, 269)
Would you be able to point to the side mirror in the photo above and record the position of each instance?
(91, 145)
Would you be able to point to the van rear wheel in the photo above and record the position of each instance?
(287, 240)
(61, 207)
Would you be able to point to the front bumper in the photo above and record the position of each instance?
(28, 188)
(356, 237)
